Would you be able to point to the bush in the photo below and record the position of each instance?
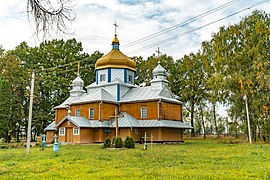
(129, 142)
(107, 142)
(38, 144)
(118, 142)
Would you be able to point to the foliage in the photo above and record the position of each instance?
(192, 77)
(107, 143)
(196, 159)
(241, 55)
(118, 142)
(129, 142)
(6, 121)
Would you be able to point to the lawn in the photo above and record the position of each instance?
(195, 159)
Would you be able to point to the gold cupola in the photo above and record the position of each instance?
(115, 59)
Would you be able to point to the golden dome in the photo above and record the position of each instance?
(115, 39)
(115, 59)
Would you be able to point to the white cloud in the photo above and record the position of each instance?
(136, 19)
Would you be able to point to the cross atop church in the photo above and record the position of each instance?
(158, 52)
(78, 72)
(115, 26)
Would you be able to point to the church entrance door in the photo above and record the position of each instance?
(69, 135)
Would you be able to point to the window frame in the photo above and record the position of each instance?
(102, 77)
(90, 113)
(77, 131)
(144, 112)
(77, 110)
(130, 78)
(62, 133)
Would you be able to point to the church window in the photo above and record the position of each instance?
(77, 112)
(143, 112)
(76, 131)
(136, 131)
(61, 131)
(130, 78)
(102, 77)
(91, 113)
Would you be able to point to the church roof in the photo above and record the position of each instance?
(159, 70)
(148, 93)
(115, 59)
(135, 94)
(51, 127)
(124, 121)
(77, 121)
(97, 94)
(77, 81)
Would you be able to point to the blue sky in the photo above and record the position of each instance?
(136, 19)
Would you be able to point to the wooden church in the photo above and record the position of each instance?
(114, 106)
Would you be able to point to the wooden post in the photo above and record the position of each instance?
(152, 137)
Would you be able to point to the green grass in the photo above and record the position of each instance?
(195, 159)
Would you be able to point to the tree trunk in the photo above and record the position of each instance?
(192, 120)
(259, 132)
(254, 133)
(18, 134)
(203, 123)
(215, 119)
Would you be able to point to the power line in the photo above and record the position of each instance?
(195, 29)
(61, 66)
(180, 24)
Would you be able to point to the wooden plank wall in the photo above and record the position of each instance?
(134, 109)
(171, 111)
(106, 110)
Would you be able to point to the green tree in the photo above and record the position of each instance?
(241, 59)
(6, 122)
(191, 87)
(17, 76)
(55, 63)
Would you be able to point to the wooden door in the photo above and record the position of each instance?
(69, 135)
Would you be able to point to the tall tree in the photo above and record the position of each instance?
(13, 72)
(241, 58)
(55, 63)
(191, 86)
(6, 122)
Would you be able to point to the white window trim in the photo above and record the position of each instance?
(102, 77)
(90, 113)
(60, 131)
(145, 112)
(74, 131)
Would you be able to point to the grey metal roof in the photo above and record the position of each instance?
(148, 93)
(77, 121)
(51, 126)
(165, 123)
(125, 121)
(97, 94)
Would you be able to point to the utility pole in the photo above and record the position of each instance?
(248, 123)
(30, 113)
(116, 122)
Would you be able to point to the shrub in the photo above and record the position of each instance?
(38, 144)
(118, 142)
(129, 142)
(107, 142)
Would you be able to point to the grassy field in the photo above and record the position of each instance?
(195, 159)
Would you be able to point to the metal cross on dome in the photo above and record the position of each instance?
(115, 26)
(158, 52)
